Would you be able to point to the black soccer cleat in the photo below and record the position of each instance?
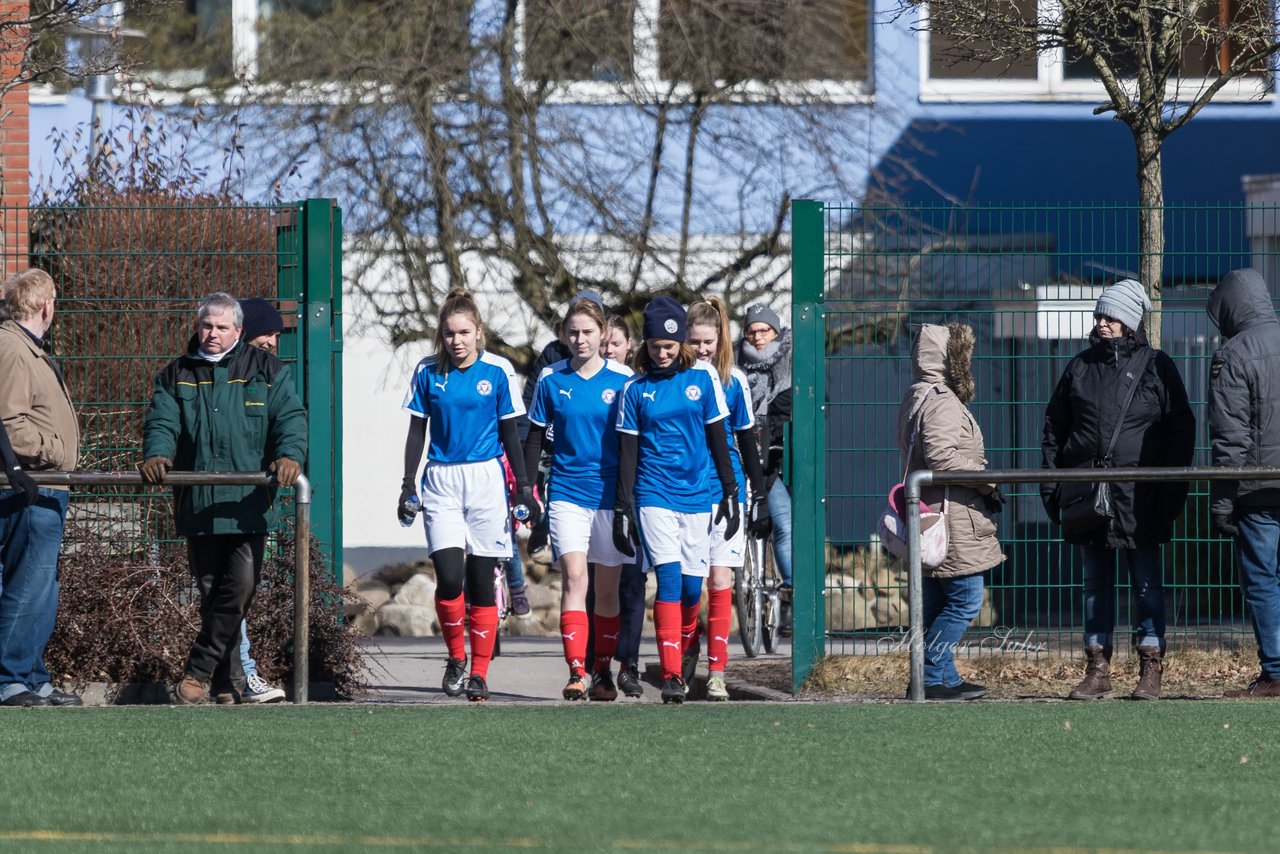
(455, 674)
(477, 690)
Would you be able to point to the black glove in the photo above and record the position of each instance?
(624, 532)
(728, 510)
(408, 506)
(994, 501)
(1050, 502)
(761, 520)
(524, 507)
(22, 482)
(1224, 524)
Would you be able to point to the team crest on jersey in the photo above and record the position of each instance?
(693, 392)
(484, 387)
(608, 395)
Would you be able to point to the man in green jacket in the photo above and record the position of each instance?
(223, 406)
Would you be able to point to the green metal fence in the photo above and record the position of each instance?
(1026, 278)
(129, 280)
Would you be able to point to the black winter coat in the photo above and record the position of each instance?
(1158, 430)
(1244, 390)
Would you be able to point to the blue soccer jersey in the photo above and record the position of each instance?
(670, 416)
(583, 412)
(737, 396)
(463, 407)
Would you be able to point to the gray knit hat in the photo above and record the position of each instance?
(761, 313)
(1125, 301)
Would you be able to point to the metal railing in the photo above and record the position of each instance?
(924, 477)
(302, 538)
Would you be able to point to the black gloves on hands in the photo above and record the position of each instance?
(625, 535)
(727, 509)
(994, 501)
(761, 520)
(1225, 525)
(22, 482)
(524, 507)
(408, 506)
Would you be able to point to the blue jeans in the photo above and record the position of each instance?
(30, 539)
(247, 663)
(950, 604)
(1258, 555)
(1100, 594)
(514, 567)
(780, 510)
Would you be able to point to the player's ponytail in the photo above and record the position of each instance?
(458, 301)
(712, 312)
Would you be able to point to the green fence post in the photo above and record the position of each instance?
(808, 435)
(320, 337)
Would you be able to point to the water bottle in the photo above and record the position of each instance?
(521, 512)
(414, 504)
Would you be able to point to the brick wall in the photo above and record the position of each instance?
(15, 148)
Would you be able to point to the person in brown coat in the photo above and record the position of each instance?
(41, 424)
(937, 431)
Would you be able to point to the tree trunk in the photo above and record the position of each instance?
(1150, 223)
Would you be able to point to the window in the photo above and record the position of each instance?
(567, 40)
(1064, 74)
(701, 43)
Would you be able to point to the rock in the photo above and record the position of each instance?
(418, 590)
(407, 620)
(399, 573)
(849, 608)
(541, 596)
(364, 622)
(373, 594)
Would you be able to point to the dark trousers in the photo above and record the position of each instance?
(227, 568)
(631, 610)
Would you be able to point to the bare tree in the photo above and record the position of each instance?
(545, 147)
(1160, 62)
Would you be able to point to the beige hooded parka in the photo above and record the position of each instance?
(949, 439)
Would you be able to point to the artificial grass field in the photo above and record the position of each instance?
(1101, 777)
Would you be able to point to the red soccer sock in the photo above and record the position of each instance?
(452, 614)
(689, 626)
(484, 634)
(719, 618)
(573, 631)
(666, 625)
(606, 640)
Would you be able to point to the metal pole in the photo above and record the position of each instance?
(915, 584)
(301, 589)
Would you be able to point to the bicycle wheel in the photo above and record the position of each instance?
(748, 597)
(771, 607)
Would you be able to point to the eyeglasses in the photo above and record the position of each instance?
(1107, 318)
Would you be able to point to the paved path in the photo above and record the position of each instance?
(529, 670)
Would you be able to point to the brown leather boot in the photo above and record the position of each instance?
(1149, 676)
(1096, 684)
(190, 691)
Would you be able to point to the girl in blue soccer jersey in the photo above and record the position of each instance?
(464, 397)
(668, 424)
(577, 398)
(709, 338)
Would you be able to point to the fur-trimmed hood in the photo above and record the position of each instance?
(944, 354)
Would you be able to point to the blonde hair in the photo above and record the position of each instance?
(26, 292)
(459, 301)
(685, 359)
(712, 312)
(589, 307)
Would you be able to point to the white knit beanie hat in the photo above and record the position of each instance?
(1125, 301)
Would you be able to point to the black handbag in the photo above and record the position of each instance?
(1085, 507)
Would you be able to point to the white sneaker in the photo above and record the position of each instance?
(259, 690)
(716, 689)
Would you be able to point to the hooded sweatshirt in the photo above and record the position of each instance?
(948, 439)
(1244, 390)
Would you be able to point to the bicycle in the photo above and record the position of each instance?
(757, 598)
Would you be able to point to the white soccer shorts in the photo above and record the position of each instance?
(729, 552)
(464, 506)
(670, 536)
(575, 528)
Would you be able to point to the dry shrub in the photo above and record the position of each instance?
(130, 617)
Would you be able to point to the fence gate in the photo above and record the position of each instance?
(1026, 278)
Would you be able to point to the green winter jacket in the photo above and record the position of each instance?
(238, 414)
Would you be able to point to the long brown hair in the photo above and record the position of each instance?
(459, 301)
(589, 307)
(618, 322)
(711, 312)
(685, 359)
